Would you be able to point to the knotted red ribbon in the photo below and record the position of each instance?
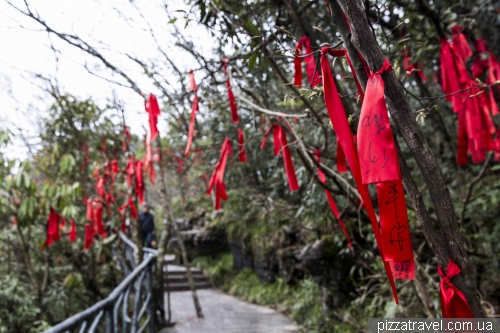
(52, 227)
(217, 180)
(89, 239)
(341, 126)
(232, 101)
(343, 53)
(304, 43)
(379, 164)
(331, 202)
(281, 146)
(153, 109)
(72, 232)
(194, 108)
(453, 302)
(242, 154)
(129, 204)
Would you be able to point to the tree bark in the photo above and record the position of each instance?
(362, 38)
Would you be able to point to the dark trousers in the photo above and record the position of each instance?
(147, 238)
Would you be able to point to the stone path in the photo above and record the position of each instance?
(224, 314)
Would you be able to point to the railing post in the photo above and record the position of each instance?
(152, 300)
(110, 325)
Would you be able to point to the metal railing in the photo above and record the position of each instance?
(130, 307)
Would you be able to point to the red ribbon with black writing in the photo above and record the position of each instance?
(194, 108)
(217, 180)
(304, 43)
(331, 202)
(230, 95)
(341, 126)
(453, 302)
(153, 110)
(379, 164)
(242, 154)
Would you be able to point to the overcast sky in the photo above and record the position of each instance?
(25, 48)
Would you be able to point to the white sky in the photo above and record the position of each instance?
(25, 47)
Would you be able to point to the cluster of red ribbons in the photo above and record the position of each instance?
(469, 99)
(94, 215)
(195, 108)
(217, 180)
(153, 110)
(56, 222)
(232, 101)
(341, 126)
(242, 154)
(281, 146)
(410, 68)
(304, 43)
(453, 302)
(379, 164)
(331, 202)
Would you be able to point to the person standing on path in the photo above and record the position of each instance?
(147, 222)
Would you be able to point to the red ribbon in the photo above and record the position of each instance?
(130, 204)
(379, 164)
(460, 44)
(413, 67)
(148, 160)
(232, 101)
(281, 145)
(377, 153)
(453, 302)
(52, 227)
(333, 205)
(343, 53)
(341, 126)
(217, 180)
(194, 108)
(341, 166)
(242, 154)
(312, 74)
(100, 187)
(139, 182)
(72, 232)
(130, 170)
(153, 109)
(89, 239)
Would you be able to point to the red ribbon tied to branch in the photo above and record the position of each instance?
(72, 231)
(129, 204)
(304, 43)
(194, 108)
(52, 227)
(341, 126)
(281, 146)
(331, 202)
(242, 154)
(148, 160)
(379, 164)
(217, 180)
(153, 109)
(230, 95)
(139, 182)
(453, 302)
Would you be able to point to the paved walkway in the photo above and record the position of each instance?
(224, 314)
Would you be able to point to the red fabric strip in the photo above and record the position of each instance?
(153, 109)
(395, 229)
(377, 153)
(88, 237)
(242, 154)
(453, 302)
(340, 124)
(217, 180)
(232, 101)
(72, 232)
(139, 182)
(287, 159)
(331, 202)
(195, 108)
(341, 166)
(148, 160)
(312, 74)
(52, 227)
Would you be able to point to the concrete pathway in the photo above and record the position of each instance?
(224, 314)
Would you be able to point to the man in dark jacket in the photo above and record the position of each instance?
(147, 222)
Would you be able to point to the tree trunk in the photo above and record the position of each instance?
(362, 38)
